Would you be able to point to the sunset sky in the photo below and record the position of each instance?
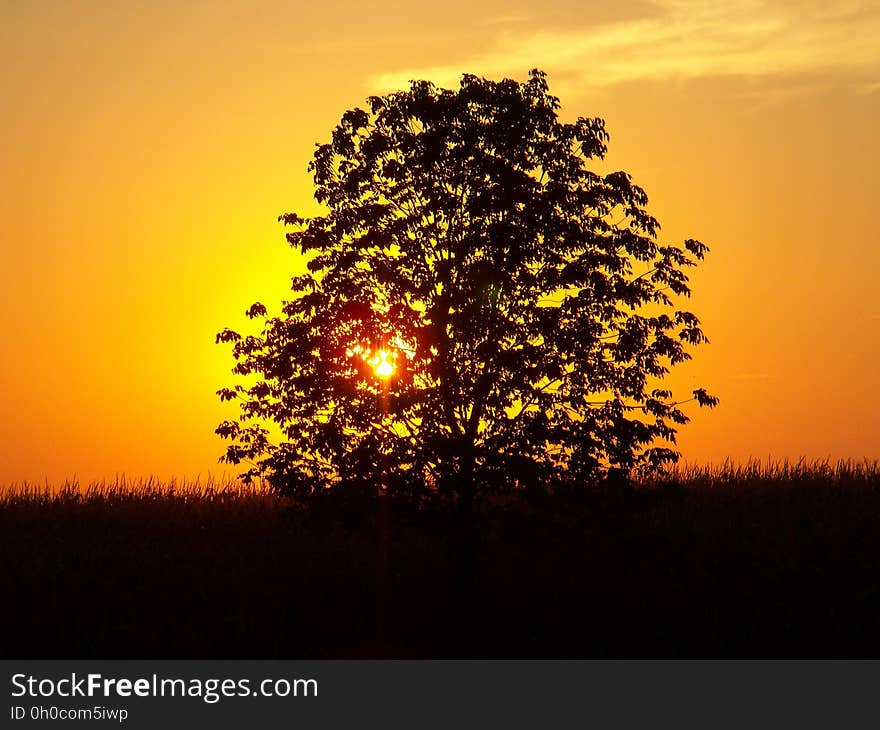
(147, 149)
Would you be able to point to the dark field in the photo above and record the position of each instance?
(738, 562)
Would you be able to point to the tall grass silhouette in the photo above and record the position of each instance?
(821, 472)
(772, 559)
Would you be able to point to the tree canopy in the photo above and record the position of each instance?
(481, 310)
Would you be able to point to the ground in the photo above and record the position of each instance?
(742, 565)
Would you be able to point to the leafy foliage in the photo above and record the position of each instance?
(522, 301)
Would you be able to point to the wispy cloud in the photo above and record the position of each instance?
(688, 39)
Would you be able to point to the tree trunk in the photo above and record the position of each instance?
(383, 587)
(463, 596)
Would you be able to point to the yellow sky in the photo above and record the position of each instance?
(147, 149)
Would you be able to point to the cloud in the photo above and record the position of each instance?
(687, 39)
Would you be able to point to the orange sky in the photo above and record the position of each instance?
(147, 149)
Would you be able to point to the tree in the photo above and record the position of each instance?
(481, 310)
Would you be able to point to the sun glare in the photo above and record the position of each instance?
(382, 364)
(382, 361)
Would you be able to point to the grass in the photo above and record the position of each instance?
(124, 488)
(770, 560)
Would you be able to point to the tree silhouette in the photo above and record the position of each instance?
(482, 311)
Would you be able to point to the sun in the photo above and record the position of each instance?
(382, 365)
(381, 361)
